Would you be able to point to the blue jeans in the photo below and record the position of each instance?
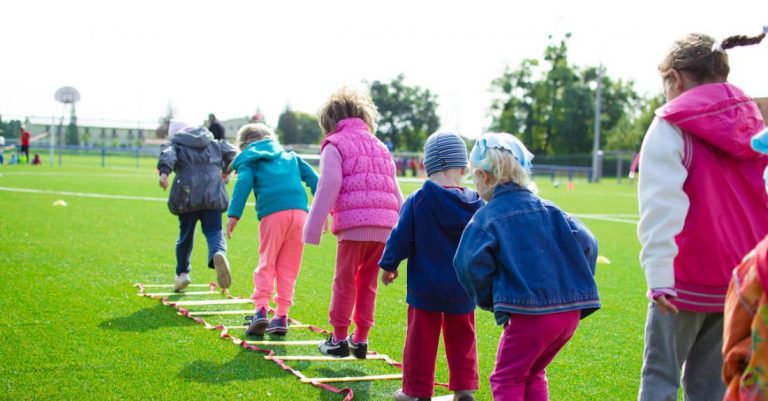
(211, 223)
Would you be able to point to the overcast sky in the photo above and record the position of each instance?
(130, 59)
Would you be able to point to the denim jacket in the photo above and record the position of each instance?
(521, 254)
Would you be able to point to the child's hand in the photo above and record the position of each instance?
(665, 306)
(231, 224)
(163, 181)
(388, 277)
(225, 177)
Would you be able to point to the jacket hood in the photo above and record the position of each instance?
(719, 114)
(452, 209)
(193, 138)
(265, 149)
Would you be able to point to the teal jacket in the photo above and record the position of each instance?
(275, 177)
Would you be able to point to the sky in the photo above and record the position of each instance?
(131, 59)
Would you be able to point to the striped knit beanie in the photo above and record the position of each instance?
(444, 150)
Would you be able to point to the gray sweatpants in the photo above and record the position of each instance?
(691, 341)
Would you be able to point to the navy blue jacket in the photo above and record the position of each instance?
(427, 234)
(522, 254)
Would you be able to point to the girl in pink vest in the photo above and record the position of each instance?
(701, 209)
(359, 189)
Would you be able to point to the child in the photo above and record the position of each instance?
(700, 213)
(358, 187)
(427, 234)
(527, 261)
(745, 351)
(275, 177)
(197, 193)
(36, 161)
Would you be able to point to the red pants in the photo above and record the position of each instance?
(529, 343)
(421, 341)
(354, 288)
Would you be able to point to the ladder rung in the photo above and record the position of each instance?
(169, 294)
(321, 358)
(295, 342)
(351, 378)
(219, 312)
(212, 302)
(172, 285)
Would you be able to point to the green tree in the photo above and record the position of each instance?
(550, 103)
(288, 127)
(408, 114)
(628, 134)
(309, 130)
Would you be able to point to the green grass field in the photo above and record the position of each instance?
(72, 327)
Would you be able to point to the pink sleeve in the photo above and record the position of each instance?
(325, 197)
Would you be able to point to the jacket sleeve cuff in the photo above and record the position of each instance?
(312, 238)
(164, 170)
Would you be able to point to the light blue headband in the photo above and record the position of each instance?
(503, 141)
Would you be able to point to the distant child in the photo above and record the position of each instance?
(701, 211)
(275, 177)
(198, 193)
(745, 350)
(527, 261)
(36, 161)
(359, 189)
(427, 234)
(25, 138)
(2, 149)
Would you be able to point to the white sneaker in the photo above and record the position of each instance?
(223, 276)
(181, 282)
(401, 396)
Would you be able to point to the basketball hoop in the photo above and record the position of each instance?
(67, 95)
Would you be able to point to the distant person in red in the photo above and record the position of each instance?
(25, 135)
(36, 161)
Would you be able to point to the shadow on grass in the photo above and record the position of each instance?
(245, 366)
(361, 389)
(147, 319)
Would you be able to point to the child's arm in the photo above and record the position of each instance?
(586, 240)
(228, 153)
(475, 264)
(328, 188)
(663, 202)
(308, 175)
(166, 162)
(400, 244)
(243, 187)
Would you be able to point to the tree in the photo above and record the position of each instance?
(288, 127)
(165, 122)
(550, 104)
(408, 114)
(309, 130)
(628, 134)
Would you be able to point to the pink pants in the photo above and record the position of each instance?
(529, 343)
(420, 351)
(354, 288)
(280, 249)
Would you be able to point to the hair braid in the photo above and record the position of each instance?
(741, 40)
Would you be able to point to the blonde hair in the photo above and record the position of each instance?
(702, 58)
(347, 103)
(504, 168)
(250, 133)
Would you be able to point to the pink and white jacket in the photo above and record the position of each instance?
(701, 197)
(357, 186)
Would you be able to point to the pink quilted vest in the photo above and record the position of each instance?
(728, 213)
(367, 196)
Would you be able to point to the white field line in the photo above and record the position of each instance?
(54, 174)
(605, 217)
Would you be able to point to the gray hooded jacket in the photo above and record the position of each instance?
(198, 161)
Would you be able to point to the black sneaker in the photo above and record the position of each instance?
(278, 326)
(338, 350)
(359, 350)
(258, 323)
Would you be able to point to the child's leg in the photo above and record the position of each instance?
(461, 351)
(348, 255)
(187, 224)
(211, 222)
(420, 350)
(528, 345)
(271, 236)
(701, 376)
(289, 261)
(668, 341)
(366, 285)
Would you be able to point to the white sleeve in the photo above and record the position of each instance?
(662, 200)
